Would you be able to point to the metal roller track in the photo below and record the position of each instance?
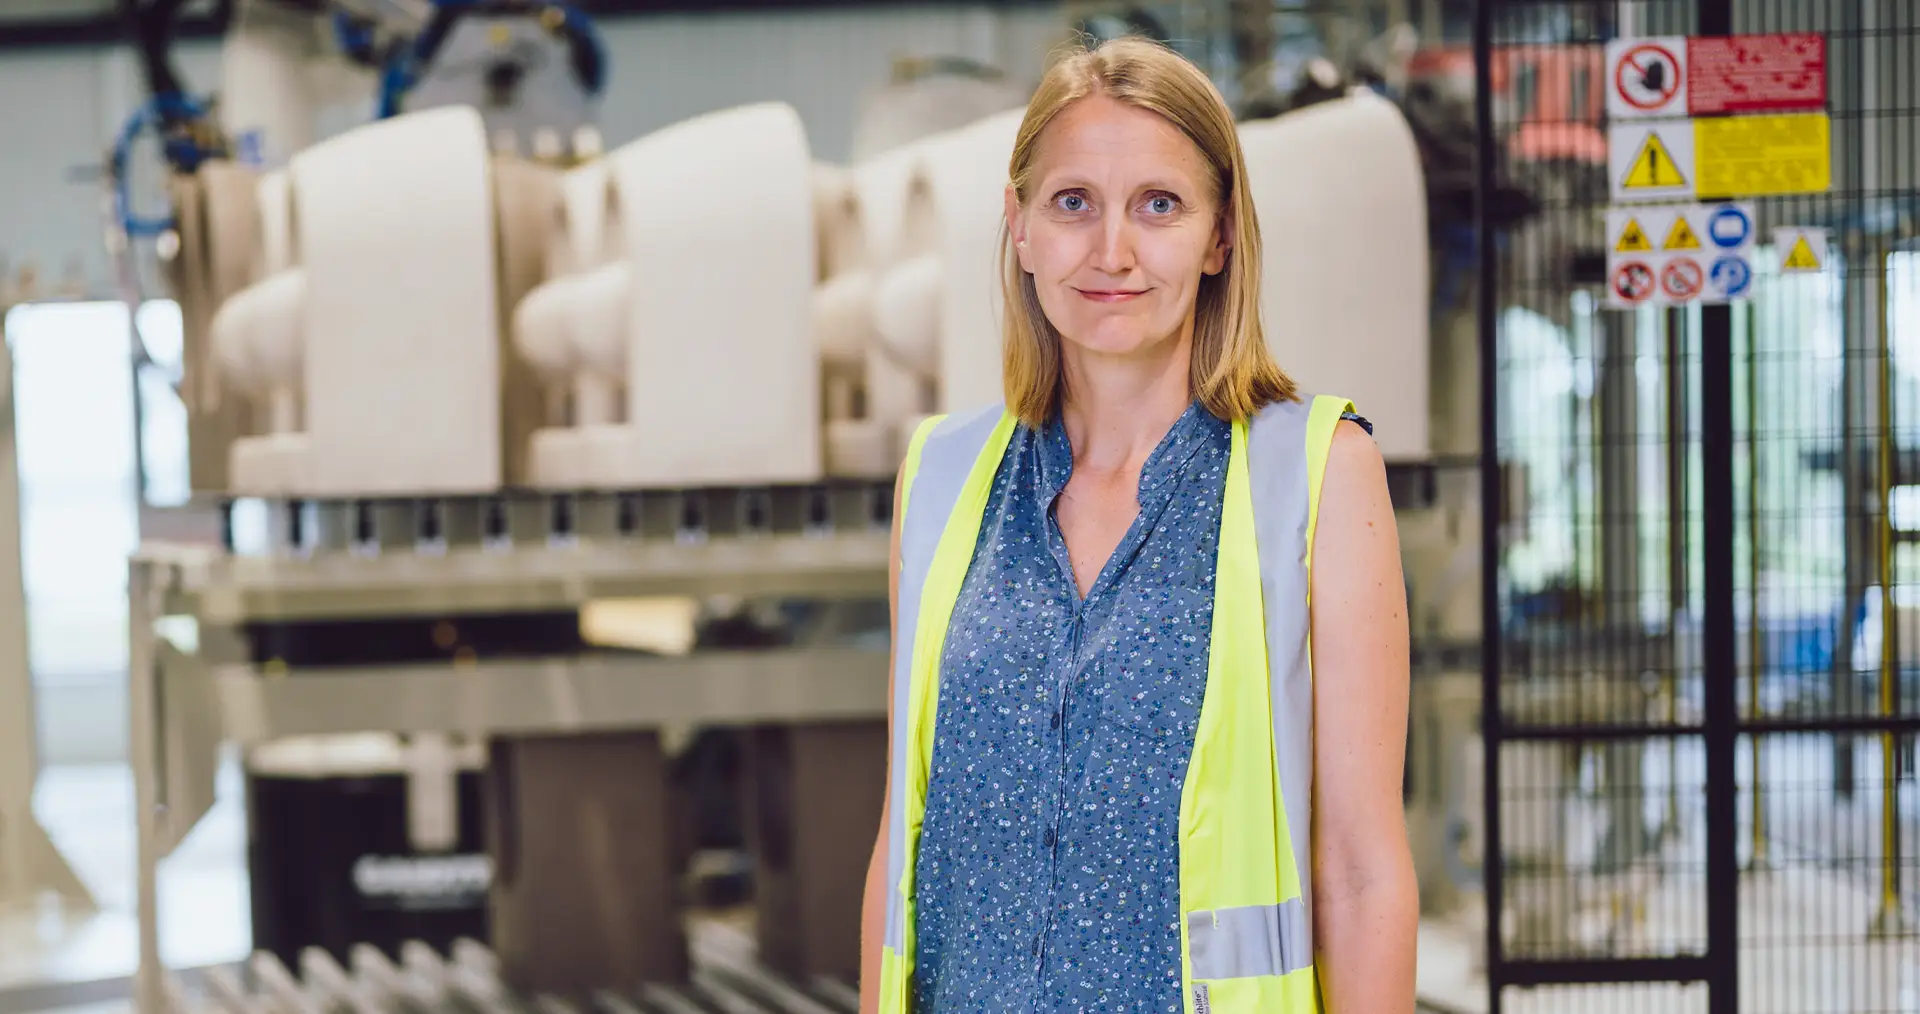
(340, 560)
(725, 980)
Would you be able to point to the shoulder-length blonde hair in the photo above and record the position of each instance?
(1232, 373)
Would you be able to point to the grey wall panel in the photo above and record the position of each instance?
(67, 107)
(669, 68)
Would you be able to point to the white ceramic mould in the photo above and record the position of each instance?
(372, 335)
(254, 337)
(856, 441)
(937, 295)
(1343, 218)
(689, 350)
(895, 393)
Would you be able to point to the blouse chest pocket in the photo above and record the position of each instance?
(1158, 714)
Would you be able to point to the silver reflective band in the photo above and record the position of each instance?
(1238, 943)
(1277, 464)
(946, 460)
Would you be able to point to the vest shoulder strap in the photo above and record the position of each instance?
(1287, 445)
(941, 458)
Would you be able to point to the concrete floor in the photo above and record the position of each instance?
(1805, 949)
(53, 958)
(1811, 938)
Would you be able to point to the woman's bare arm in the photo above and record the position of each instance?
(1366, 904)
(873, 910)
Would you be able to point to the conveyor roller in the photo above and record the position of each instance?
(725, 980)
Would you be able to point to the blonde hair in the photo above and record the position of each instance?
(1232, 373)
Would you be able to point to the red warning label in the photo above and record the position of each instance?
(1756, 73)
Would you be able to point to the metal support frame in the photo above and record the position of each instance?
(1720, 647)
(30, 864)
(185, 703)
(1507, 727)
(1487, 306)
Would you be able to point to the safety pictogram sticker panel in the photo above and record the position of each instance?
(1679, 254)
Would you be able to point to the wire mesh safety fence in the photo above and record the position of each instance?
(1705, 569)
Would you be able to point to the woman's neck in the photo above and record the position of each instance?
(1117, 409)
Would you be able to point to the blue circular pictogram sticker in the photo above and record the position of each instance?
(1731, 276)
(1729, 227)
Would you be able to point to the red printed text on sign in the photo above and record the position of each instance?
(1756, 73)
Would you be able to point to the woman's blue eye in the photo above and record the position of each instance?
(1161, 205)
(1072, 202)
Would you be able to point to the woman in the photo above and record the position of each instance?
(1119, 780)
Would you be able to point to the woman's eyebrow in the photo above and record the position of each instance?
(1068, 180)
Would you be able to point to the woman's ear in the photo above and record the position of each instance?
(1017, 228)
(1223, 238)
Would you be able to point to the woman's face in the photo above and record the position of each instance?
(1118, 227)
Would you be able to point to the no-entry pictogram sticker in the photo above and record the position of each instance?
(1633, 282)
(1681, 279)
(1647, 77)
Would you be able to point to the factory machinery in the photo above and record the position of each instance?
(543, 462)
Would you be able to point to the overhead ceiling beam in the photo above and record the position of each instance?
(106, 27)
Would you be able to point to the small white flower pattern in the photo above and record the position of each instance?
(1048, 868)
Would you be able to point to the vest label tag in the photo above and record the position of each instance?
(1200, 1004)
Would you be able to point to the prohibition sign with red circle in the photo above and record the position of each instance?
(1682, 278)
(1655, 79)
(1633, 281)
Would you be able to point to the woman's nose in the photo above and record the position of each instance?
(1115, 252)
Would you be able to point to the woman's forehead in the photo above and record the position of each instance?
(1101, 136)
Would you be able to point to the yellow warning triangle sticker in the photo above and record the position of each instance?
(1633, 239)
(1653, 167)
(1801, 257)
(1681, 236)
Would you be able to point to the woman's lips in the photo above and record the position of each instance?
(1110, 295)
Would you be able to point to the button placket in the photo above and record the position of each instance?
(1050, 840)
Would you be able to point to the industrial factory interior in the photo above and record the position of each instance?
(450, 451)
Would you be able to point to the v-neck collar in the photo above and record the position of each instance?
(1159, 478)
(1168, 458)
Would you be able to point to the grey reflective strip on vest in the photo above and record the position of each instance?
(946, 459)
(1237, 943)
(1277, 472)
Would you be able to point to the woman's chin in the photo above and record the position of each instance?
(1116, 338)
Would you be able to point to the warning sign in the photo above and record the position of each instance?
(1801, 250)
(1653, 167)
(1730, 278)
(1735, 156)
(1673, 76)
(1681, 279)
(1800, 257)
(1633, 239)
(1632, 284)
(1756, 74)
(1705, 257)
(1651, 162)
(1761, 155)
(1681, 236)
(1647, 77)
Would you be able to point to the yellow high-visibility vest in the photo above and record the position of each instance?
(1246, 932)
